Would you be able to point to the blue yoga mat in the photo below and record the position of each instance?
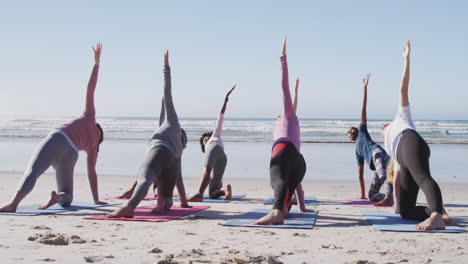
(55, 209)
(385, 221)
(207, 199)
(308, 200)
(294, 220)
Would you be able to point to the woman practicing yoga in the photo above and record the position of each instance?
(411, 164)
(374, 155)
(60, 150)
(287, 165)
(162, 163)
(214, 162)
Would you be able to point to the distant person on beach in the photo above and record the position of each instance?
(287, 165)
(162, 163)
(214, 162)
(59, 149)
(410, 154)
(374, 155)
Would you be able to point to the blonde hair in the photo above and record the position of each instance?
(390, 170)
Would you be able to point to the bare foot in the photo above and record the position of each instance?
(54, 198)
(435, 221)
(447, 219)
(387, 201)
(228, 191)
(196, 198)
(8, 208)
(275, 217)
(126, 195)
(163, 205)
(294, 199)
(126, 212)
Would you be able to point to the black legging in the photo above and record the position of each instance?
(413, 156)
(287, 170)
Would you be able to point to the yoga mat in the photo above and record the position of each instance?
(143, 214)
(308, 200)
(385, 221)
(207, 199)
(55, 209)
(148, 197)
(364, 203)
(294, 220)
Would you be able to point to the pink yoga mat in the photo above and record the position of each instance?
(143, 214)
(148, 197)
(362, 203)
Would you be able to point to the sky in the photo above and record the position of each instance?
(46, 56)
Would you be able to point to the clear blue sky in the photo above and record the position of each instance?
(46, 56)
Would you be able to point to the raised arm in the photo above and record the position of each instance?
(404, 101)
(288, 106)
(365, 81)
(296, 89)
(171, 114)
(226, 99)
(162, 114)
(89, 108)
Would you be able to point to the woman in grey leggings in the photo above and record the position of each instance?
(163, 158)
(214, 162)
(60, 150)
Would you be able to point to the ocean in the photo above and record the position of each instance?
(328, 152)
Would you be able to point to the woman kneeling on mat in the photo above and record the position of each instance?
(287, 165)
(162, 162)
(60, 150)
(214, 162)
(411, 164)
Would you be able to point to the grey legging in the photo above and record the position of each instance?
(160, 166)
(54, 150)
(216, 159)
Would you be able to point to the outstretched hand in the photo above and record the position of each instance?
(229, 93)
(97, 53)
(296, 87)
(365, 80)
(166, 58)
(406, 50)
(283, 50)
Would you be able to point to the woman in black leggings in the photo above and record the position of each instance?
(411, 164)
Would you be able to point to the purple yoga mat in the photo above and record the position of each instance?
(144, 214)
(362, 203)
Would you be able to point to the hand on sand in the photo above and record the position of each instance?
(99, 202)
(306, 210)
(54, 198)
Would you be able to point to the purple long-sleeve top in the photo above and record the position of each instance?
(287, 125)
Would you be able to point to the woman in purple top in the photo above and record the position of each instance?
(60, 150)
(287, 165)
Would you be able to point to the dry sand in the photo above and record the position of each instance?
(341, 234)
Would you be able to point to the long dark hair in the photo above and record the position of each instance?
(206, 134)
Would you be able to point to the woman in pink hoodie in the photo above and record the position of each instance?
(60, 150)
(287, 165)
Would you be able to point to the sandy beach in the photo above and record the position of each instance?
(341, 234)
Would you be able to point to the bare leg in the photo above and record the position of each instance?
(13, 204)
(275, 217)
